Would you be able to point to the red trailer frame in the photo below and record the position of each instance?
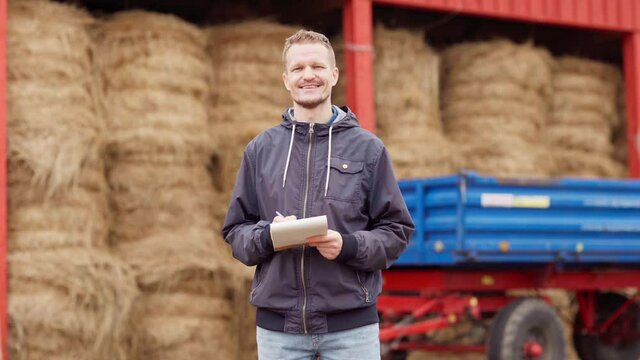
(448, 295)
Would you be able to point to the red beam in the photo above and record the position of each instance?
(631, 57)
(3, 177)
(358, 52)
(575, 13)
(425, 281)
(421, 327)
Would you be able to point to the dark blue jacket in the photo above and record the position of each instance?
(285, 169)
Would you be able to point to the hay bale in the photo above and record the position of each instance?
(498, 60)
(506, 156)
(407, 96)
(248, 95)
(584, 115)
(407, 105)
(74, 216)
(53, 120)
(69, 303)
(155, 80)
(577, 163)
(494, 105)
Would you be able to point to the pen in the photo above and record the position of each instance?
(278, 213)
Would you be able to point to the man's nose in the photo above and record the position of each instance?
(308, 73)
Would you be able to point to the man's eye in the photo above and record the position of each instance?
(318, 67)
(296, 69)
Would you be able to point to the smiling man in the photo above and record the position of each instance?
(318, 299)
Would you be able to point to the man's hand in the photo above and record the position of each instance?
(279, 218)
(329, 245)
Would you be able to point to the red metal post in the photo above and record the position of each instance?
(3, 177)
(358, 52)
(631, 56)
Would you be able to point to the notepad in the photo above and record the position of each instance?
(294, 233)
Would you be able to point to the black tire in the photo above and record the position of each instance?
(521, 321)
(593, 347)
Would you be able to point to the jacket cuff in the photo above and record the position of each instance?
(265, 238)
(349, 247)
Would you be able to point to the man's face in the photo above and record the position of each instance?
(309, 74)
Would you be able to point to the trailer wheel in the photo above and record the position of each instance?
(526, 329)
(605, 346)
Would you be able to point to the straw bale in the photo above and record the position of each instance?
(583, 83)
(431, 156)
(47, 41)
(149, 25)
(592, 68)
(264, 39)
(180, 337)
(587, 139)
(483, 127)
(583, 164)
(501, 90)
(69, 302)
(525, 113)
(155, 77)
(566, 101)
(53, 118)
(248, 95)
(498, 60)
(504, 156)
(75, 216)
(406, 76)
(188, 250)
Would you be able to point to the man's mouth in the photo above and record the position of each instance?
(309, 86)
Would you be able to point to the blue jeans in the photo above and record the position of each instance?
(354, 344)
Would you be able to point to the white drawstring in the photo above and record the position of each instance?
(326, 184)
(286, 167)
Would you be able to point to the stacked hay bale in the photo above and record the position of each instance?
(155, 77)
(584, 114)
(620, 149)
(67, 296)
(248, 95)
(494, 105)
(407, 105)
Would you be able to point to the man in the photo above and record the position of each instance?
(319, 299)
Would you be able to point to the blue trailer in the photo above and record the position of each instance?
(479, 237)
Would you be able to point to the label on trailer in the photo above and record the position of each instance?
(515, 201)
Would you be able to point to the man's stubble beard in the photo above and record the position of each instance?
(311, 103)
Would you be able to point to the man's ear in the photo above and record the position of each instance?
(284, 80)
(336, 75)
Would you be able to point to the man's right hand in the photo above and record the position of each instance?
(279, 218)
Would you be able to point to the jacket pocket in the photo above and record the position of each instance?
(345, 179)
(365, 291)
(258, 279)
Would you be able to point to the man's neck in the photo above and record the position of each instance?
(320, 114)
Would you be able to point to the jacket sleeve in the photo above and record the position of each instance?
(248, 236)
(390, 223)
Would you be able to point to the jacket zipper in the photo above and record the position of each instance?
(304, 215)
(364, 289)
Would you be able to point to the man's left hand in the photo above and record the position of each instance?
(329, 245)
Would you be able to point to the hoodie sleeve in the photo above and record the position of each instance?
(391, 225)
(248, 236)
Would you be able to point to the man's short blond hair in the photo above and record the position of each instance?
(307, 37)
